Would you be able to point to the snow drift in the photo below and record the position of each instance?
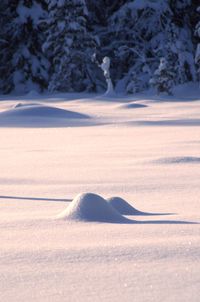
(39, 110)
(123, 207)
(36, 114)
(92, 207)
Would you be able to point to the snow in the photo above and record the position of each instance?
(155, 258)
(123, 207)
(179, 160)
(91, 207)
(105, 66)
(133, 106)
(34, 114)
(39, 110)
(154, 4)
(35, 12)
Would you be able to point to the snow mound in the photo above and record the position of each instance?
(122, 206)
(92, 207)
(179, 160)
(133, 106)
(39, 110)
(39, 115)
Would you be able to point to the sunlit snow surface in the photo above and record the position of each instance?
(143, 155)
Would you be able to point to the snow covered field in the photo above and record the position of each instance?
(145, 150)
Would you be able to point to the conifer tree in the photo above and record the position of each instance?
(134, 36)
(30, 65)
(26, 66)
(135, 83)
(163, 78)
(7, 44)
(179, 40)
(139, 32)
(69, 46)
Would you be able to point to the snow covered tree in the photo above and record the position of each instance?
(179, 40)
(163, 78)
(69, 46)
(136, 32)
(29, 64)
(197, 54)
(7, 44)
(133, 85)
(105, 66)
(27, 68)
(101, 10)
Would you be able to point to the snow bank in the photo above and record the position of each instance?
(92, 207)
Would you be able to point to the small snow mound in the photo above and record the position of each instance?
(91, 207)
(179, 160)
(122, 206)
(133, 106)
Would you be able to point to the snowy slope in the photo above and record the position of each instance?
(130, 154)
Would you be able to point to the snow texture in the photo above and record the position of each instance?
(155, 258)
(49, 44)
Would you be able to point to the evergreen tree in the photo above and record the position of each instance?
(26, 65)
(135, 83)
(179, 36)
(30, 65)
(7, 44)
(135, 35)
(101, 10)
(139, 32)
(69, 46)
(163, 78)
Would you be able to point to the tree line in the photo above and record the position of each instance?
(47, 45)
